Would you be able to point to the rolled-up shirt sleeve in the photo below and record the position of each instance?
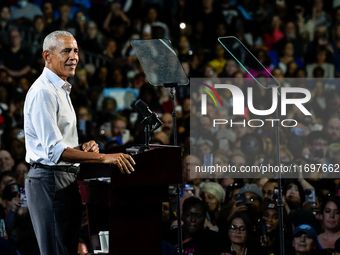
(43, 113)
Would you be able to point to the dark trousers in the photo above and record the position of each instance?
(54, 203)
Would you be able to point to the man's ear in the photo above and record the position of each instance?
(47, 56)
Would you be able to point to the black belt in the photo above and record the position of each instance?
(67, 169)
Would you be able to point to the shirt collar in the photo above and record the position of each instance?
(54, 79)
(67, 87)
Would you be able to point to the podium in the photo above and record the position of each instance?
(129, 206)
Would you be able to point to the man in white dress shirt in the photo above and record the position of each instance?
(52, 146)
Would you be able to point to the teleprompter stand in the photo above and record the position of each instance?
(162, 68)
(237, 50)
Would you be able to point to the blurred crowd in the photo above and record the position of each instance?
(291, 39)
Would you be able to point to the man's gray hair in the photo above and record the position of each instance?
(51, 40)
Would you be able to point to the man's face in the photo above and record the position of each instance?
(118, 127)
(47, 8)
(193, 220)
(240, 130)
(15, 38)
(5, 13)
(167, 124)
(64, 58)
(189, 163)
(268, 189)
(333, 128)
(6, 161)
(302, 243)
(237, 161)
(206, 125)
(253, 202)
(186, 105)
(65, 12)
(319, 145)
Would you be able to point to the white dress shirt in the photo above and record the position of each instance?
(50, 122)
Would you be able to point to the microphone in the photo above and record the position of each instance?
(133, 106)
(143, 108)
(149, 116)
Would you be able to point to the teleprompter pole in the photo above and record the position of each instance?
(172, 87)
(279, 199)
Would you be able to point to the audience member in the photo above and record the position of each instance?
(188, 171)
(24, 9)
(94, 40)
(333, 129)
(196, 238)
(64, 22)
(304, 241)
(270, 240)
(239, 238)
(6, 161)
(18, 222)
(287, 57)
(290, 36)
(321, 62)
(16, 59)
(268, 189)
(167, 126)
(5, 24)
(331, 223)
(6, 178)
(213, 195)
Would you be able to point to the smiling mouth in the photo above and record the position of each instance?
(269, 227)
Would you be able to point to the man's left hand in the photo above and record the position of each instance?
(90, 146)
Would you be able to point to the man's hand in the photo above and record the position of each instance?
(236, 208)
(121, 160)
(17, 202)
(90, 146)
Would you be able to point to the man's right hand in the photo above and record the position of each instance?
(236, 208)
(121, 160)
